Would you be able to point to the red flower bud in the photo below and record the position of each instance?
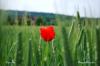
(47, 33)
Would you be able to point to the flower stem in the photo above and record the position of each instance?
(53, 47)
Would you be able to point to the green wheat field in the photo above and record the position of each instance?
(76, 43)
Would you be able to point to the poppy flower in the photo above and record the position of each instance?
(47, 33)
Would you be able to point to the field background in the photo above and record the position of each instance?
(76, 44)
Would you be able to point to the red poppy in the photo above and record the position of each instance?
(47, 33)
